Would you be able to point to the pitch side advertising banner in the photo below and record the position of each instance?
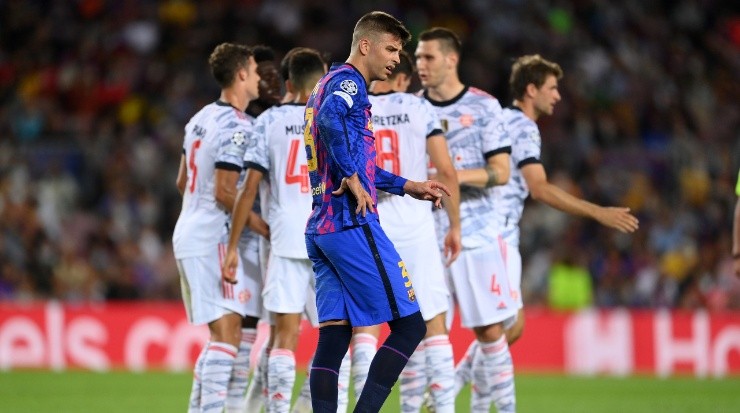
(156, 336)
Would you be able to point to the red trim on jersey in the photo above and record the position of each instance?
(228, 351)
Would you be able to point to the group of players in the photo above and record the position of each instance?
(314, 158)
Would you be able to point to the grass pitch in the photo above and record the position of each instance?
(114, 392)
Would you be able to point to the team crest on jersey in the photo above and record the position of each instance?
(349, 86)
(466, 120)
(238, 138)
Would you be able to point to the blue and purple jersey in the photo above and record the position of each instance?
(338, 134)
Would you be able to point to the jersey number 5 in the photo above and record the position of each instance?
(191, 162)
(301, 177)
(386, 146)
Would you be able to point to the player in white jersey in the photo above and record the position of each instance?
(736, 231)
(406, 129)
(534, 86)
(215, 141)
(480, 152)
(276, 152)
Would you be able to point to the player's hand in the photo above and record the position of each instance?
(364, 200)
(427, 191)
(453, 245)
(258, 225)
(228, 270)
(618, 218)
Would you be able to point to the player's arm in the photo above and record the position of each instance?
(241, 214)
(496, 172)
(182, 175)
(541, 190)
(226, 175)
(388, 181)
(440, 157)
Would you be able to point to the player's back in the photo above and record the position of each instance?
(402, 122)
(281, 155)
(214, 137)
(472, 125)
(525, 149)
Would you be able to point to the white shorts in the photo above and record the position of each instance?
(427, 273)
(513, 259)
(250, 261)
(482, 287)
(205, 295)
(290, 287)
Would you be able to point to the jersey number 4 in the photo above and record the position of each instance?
(386, 146)
(301, 177)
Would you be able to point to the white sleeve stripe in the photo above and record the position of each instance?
(347, 98)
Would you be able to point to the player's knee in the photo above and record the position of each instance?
(333, 344)
(410, 330)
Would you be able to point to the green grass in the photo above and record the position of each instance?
(41, 392)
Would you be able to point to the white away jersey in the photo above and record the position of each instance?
(525, 149)
(473, 127)
(214, 138)
(279, 152)
(402, 123)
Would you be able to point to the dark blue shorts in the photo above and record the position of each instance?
(360, 276)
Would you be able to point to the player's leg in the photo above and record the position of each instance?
(343, 383)
(281, 364)
(440, 365)
(194, 405)
(208, 300)
(485, 301)
(364, 346)
(375, 269)
(334, 329)
(256, 396)
(249, 294)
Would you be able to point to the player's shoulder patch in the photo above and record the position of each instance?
(349, 86)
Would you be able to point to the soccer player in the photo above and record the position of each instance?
(277, 154)
(534, 86)
(736, 231)
(270, 81)
(209, 169)
(406, 130)
(360, 278)
(480, 152)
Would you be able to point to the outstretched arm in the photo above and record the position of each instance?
(541, 190)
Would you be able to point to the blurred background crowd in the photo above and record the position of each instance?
(94, 95)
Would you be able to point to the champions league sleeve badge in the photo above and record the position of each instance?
(349, 86)
(238, 138)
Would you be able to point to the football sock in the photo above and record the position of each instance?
(217, 367)
(257, 390)
(493, 378)
(464, 369)
(280, 380)
(364, 346)
(235, 399)
(194, 406)
(413, 381)
(332, 346)
(440, 372)
(343, 384)
(406, 334)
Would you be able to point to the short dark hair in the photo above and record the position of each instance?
(263, 53)
(306, 65)
(378, 22)
(448, 40)
(226, 59)
(406, 65)
(531, 69)
(285, 63)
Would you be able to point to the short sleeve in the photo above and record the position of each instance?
(232, 142)
(257, 154)
(495, 140)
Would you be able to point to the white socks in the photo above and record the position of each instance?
(493, 378)
(364, 346)
(440, 372)
(218, 365)
(235, 399)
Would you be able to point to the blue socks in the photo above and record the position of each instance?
(406, 334)
(324, 377)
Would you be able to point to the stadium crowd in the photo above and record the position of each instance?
(94, 96)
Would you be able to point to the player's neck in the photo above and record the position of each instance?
(234, 99)
(360, 66)
(446, 91)
(527, 108)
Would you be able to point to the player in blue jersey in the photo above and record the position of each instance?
(360, 279)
